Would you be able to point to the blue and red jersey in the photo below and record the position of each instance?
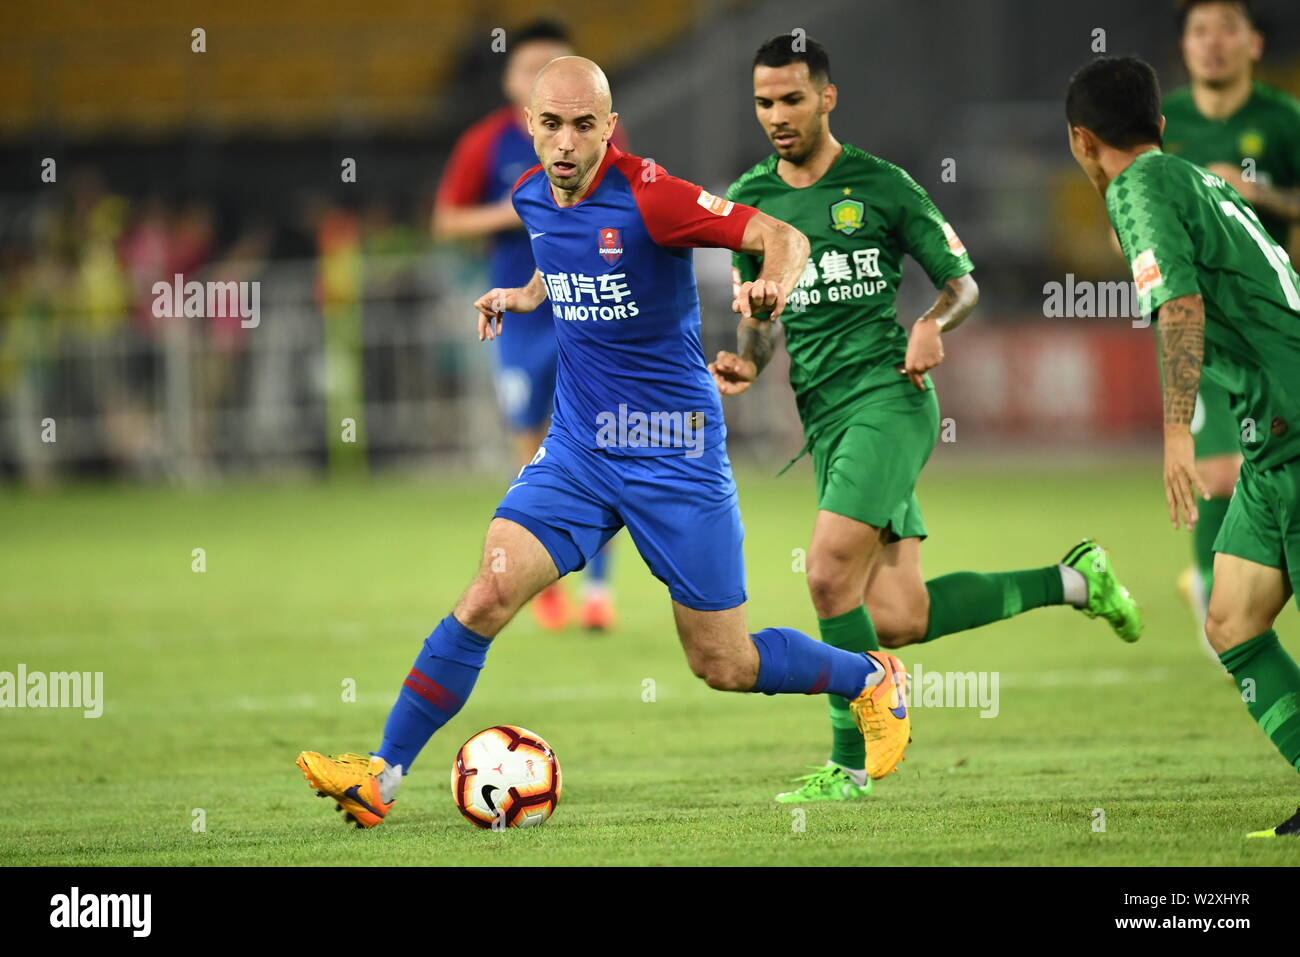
(620, 278)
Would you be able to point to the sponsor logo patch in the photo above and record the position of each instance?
(955, 245)
(717, 205)
(1146, 272)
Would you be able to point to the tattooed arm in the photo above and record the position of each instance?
(756, 341)
(734, 372)
(783, 251)
(1182, 347)
(956, 300)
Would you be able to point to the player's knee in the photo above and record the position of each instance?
(903, 621)
(1224, 630)
(486, 605)
(725, 674)
(903, 628)
(829, 588)
(898, 636)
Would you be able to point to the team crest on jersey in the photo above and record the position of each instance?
(610, 245)
(846, 216)
(1251, 143)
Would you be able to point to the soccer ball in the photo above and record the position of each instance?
(505, 777)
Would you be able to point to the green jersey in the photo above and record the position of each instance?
(1266, 130)
(842, 329)
(1186, 231)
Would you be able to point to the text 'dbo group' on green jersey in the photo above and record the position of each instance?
(1185, 231)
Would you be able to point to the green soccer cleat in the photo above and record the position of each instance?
(829, 783)
(1107, 597)
(1288, 828)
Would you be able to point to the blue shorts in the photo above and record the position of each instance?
(682, 514)
(525, 376)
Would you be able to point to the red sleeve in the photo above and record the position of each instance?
(679, 213)
(464, 180)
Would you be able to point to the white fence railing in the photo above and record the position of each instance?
(396, 376)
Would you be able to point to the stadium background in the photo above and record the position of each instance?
(227, 164)
(175, 434)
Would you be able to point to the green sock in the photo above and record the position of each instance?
(852, 631)
(965, 600)
(1269, 682)
(1210, 517)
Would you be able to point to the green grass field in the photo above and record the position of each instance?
(215, 681)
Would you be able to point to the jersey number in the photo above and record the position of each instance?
(1272, 252)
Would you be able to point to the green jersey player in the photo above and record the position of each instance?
(868, 407)
(1227, 303)
(1248, 133)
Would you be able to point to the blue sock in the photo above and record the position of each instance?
(598, 567)
(789, 662)
(438, 684)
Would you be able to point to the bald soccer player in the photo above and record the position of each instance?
(473, 202)
(636, 440)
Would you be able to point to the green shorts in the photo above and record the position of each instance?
(867, 464)
(1263, 520)
(1213, 427)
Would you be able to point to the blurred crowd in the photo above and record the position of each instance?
(82, 342)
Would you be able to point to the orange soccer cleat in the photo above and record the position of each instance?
(882, 716)
(597, 612)
(352, 780)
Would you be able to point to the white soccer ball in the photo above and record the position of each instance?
(505, 776)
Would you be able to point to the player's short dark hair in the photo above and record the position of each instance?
(780, 51)
(1185, 8)
(545, 28)
(1118, 99)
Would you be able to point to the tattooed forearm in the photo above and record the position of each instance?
(756, 341)
(957, 299)
(1182, 347)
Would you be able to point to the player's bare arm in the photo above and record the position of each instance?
(495, 303)
(783, 251)
(1283, 203)
(473, 222)
(1182, 344)
(957, 299)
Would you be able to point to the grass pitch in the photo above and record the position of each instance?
(214, 681)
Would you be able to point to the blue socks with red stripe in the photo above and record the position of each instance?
(444, 673)
(790, 662)
(438, 684)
